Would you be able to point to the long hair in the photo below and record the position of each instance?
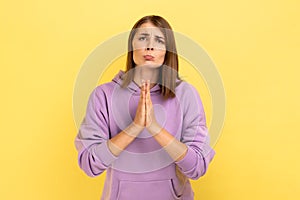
(168, 72)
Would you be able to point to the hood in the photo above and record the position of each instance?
(133, 87)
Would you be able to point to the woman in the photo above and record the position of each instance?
(147, 127)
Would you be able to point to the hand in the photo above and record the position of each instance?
(151, 124)
(150, 116)
(145, 113)
(140, 115)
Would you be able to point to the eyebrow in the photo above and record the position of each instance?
(147, 34)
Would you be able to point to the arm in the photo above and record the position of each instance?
(195, 136)
(96, 151)
(192, 154)
(176, 149)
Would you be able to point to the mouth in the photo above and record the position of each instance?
(149, 57)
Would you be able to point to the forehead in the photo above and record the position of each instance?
(150, 29)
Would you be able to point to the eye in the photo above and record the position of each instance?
(142, 38)
(160, 41)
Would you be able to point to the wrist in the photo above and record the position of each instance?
(133, 129)
(176, 149)
(154, 128)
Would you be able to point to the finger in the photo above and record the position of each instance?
(145, 87)
(146, 94)
(148, 107)
(143, 93)
(144, 104)
(143, 83)
(148, 85)
(148, 91)
(141, 101)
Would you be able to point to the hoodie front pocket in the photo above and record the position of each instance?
(146, 190)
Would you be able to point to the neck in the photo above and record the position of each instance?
(146, 73)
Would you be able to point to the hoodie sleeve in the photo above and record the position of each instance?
(94, 156)
(195, 135)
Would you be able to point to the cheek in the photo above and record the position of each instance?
(136, 56)
(161, 56)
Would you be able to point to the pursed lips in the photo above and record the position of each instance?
(149, 57)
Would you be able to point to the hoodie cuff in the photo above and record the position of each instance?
(186, 162)
(104, 154)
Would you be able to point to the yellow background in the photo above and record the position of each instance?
(254, 44)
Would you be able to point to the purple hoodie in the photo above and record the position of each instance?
(144, 170)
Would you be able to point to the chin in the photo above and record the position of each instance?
(152, 65)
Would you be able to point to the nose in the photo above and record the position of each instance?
(149, 45)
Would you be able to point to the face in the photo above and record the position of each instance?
(149, 46)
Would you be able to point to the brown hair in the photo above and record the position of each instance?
(169, 69)
(168, 72)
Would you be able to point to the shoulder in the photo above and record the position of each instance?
(104, 88)
(188, 95)
(186, 90)
(102, 92)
